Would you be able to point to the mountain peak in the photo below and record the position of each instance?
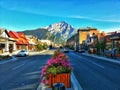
(61, 29)
(57, 32)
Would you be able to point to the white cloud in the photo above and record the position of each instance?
(107, 20)
(77, 17)
(99, 19)
(110, 29)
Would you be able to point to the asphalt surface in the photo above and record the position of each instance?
(91, 73)
(95, 74)
(24, 73)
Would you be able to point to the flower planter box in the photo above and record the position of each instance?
(92, 50)
(108, 55)
(62, 78)
(117, 55)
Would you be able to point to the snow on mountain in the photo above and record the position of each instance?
(58, 32)
(61, 29)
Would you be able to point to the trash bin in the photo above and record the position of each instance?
(58, 86)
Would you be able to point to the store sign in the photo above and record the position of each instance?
(2, 40)
(115, 37)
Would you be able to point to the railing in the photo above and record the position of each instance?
(111, 53)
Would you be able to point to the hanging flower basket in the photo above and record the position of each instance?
(117, 55)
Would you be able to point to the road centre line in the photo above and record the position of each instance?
(91, 62)
(98, 65)
(18, 66)
(77, 55)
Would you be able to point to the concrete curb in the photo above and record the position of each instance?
(36, 53)
(102, 58)
(74, 81)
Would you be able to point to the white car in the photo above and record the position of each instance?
(23, 53)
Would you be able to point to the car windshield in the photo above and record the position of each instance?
(22, 51)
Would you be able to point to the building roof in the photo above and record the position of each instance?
(115, 36)
(4, 30)
(19, 37)
(87, 29)
(13, 34)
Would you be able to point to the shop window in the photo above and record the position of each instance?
(2, 45)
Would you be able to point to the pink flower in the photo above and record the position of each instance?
(44, 81)
(58, 61)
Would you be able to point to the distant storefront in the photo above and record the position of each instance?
(21, 40)
(115, 38)
(80, 38)
(33, 42)
(7, 44)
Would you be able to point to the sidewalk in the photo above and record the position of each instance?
(74, 84)
(117, 61)
(36, 53)
(15, 53)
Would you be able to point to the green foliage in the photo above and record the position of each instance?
(108, 47)
(45, 46)
(40, 47)
(71, 47)
(97, 45)
(4, 57)
(52, 70)
(58, 69)
(55, 54)
(100, 45)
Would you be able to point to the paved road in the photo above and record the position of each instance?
(95, 74)
(92, 74)
(24, 73)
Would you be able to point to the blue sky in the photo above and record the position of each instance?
(20, 15)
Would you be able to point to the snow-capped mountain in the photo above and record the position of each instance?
(58, 32)
(62, 30)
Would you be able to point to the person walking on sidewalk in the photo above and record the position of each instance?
(113, 52)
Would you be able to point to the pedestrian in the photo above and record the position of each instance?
(113, 52)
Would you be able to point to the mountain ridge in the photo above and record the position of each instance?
(57, 32)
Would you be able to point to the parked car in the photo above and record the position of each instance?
(65, 50)
(81, 51)
(23, 53)
(61, 47)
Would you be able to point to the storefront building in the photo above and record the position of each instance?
(7, 44)
(21, 40)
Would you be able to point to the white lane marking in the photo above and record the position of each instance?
(98, 65)
(91, 62)
(13, 59)
(18, 66)
(78, 56)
